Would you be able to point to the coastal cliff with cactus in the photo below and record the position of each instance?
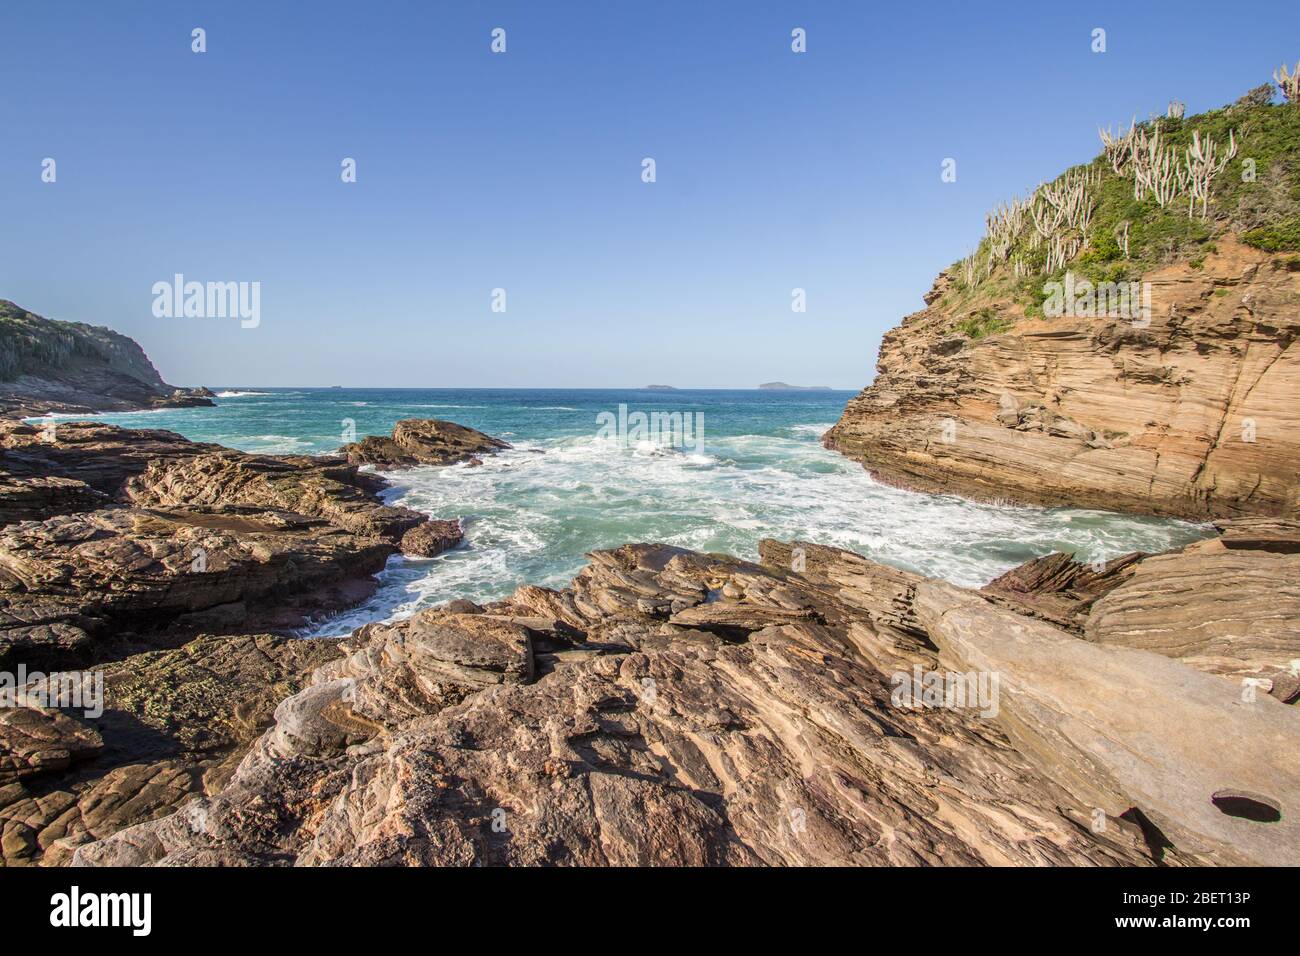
(1121, 338)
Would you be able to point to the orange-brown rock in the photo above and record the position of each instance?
(675, 708)
(1194, 415)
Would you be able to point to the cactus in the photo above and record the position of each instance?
(1118, 148)
(1288, 82)
(1201, 164)
(1121, 236)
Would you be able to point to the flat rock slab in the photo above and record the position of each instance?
(1126, 728)
(1231, 610)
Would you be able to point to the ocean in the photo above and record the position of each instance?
(530, 514)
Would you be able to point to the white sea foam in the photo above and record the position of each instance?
(530, 518)
(275, 444)
(233, 393)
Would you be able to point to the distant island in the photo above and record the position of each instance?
(783, 387)
(661, 388)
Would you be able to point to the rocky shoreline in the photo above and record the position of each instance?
(676, 708)
(667, 707)
(176, 568)
(670, 707)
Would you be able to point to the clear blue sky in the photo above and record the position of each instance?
(522, 171)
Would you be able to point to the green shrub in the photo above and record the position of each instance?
(982, 323)
(1284, 237)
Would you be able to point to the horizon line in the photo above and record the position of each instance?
(539, 388)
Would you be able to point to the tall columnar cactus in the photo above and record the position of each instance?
(1288, 81)
(1118, 147)
(1057, 216)
(1201, 164)
(1156, 169)
(1121, 236)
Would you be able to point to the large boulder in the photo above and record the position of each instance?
(423, 441)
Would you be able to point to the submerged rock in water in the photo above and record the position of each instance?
(431, 538)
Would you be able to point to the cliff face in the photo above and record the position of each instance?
(1028, 378)
(48, 366)
(1193, 415)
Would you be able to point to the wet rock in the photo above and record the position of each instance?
(423, 441)
(431, 538)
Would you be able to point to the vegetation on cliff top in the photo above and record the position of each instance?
(1161, 191)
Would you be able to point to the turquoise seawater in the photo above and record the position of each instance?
(530, 514)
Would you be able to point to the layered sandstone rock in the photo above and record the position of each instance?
(678, 708)
(431, 538)
(53, 471)
(423, 441)
(118, 550)
(1226, 605)
(1192, 415)
(1120, 728)
(124, 577)
(113, 539)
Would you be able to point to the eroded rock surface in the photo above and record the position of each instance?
(431, 538)
(113, 540)
(1192, 414)
(678, 708)
(1226, 605)
(127, 578)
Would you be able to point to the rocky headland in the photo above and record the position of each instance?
(68, 367)
(1113, 344)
